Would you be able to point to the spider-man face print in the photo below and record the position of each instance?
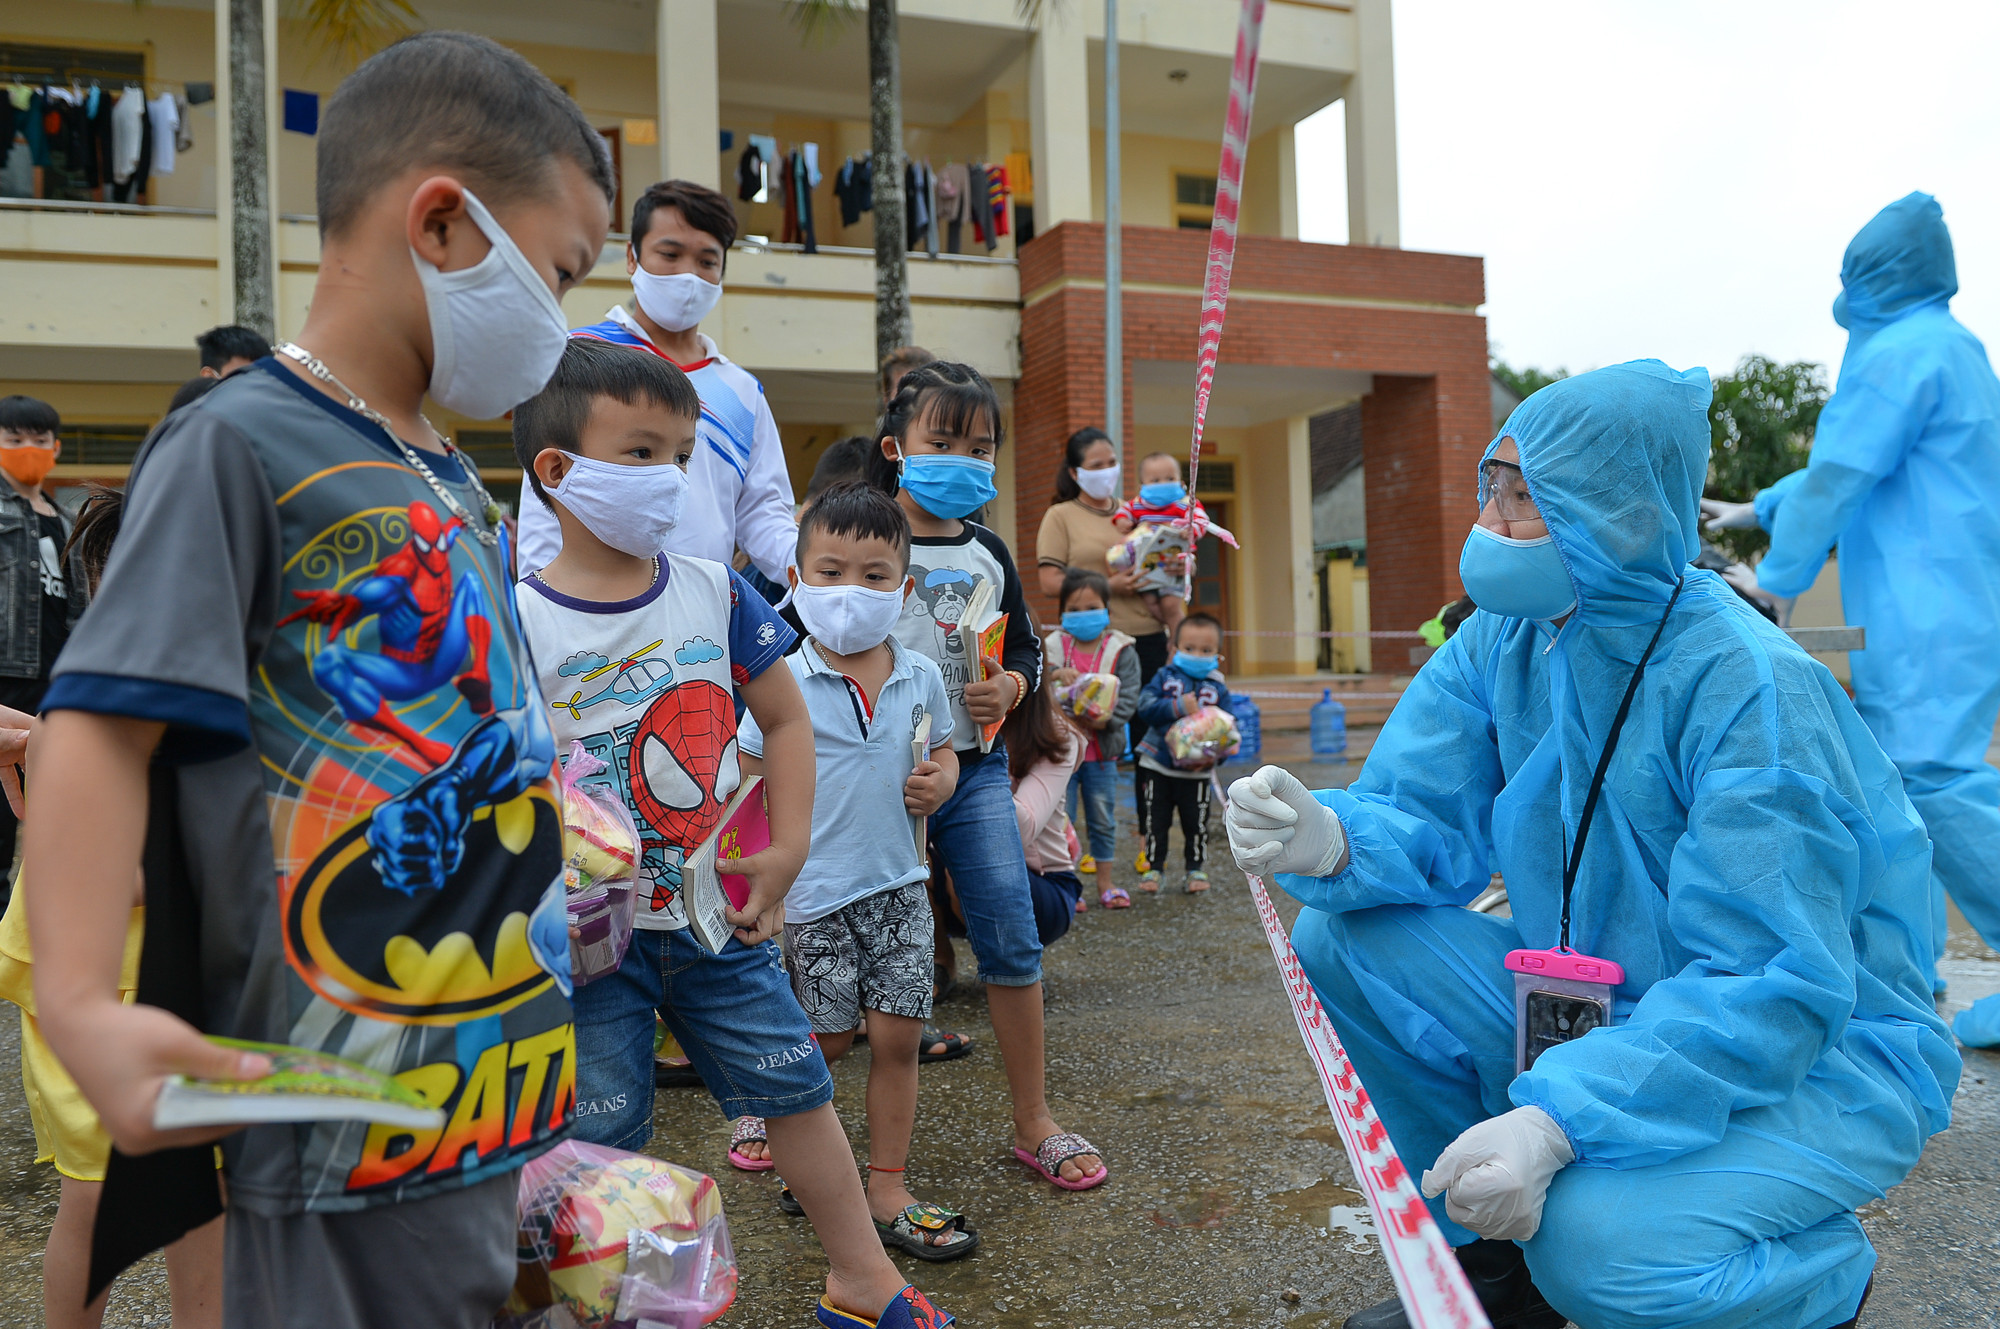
(683, 762)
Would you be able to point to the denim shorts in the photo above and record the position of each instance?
(733, 1014)
(975, 838)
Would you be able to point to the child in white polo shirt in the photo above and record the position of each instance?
(858, 932)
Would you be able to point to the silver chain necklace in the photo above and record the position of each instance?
(488, 534)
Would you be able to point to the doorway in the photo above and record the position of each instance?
(1211, 567)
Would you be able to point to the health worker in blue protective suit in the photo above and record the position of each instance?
(1773, 1060)
(1904, 479)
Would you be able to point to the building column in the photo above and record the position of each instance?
(690, 96)
(1372, 217)
(1059, 117)
(1282, 594)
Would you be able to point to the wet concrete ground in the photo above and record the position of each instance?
(1171, 1046)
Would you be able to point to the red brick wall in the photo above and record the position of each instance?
(1423, 426)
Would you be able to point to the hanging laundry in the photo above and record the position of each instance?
(978, 205)
(99, 130)
(133, 188)
(166, 120)
(791, 233)
(996, 196)
(749, 173)
(200, 94)
(930, 211)
(184, 128)
(854, 188)
(953, 186)
(803, 201)
(813, 177)
(916, 203)
(301, 112)
(1018, 178)
(128, 119)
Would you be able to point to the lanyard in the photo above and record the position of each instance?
(1604, 764)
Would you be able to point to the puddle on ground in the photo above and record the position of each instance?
(1334, 1209)
(1353, 1226)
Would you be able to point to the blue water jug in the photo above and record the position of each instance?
(1249, 724)
(1329, 728)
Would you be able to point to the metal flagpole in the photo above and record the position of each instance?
(1114, 306)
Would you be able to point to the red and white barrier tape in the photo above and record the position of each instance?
(1286, 632)
(1222, 241)
(1428, 1278)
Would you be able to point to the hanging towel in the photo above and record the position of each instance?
(183, 127)
(166, 132)
(128, 126)
(1018, 178)
(767, 147)
(813, 177)
(996, 187)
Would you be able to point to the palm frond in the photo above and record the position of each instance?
(347, 32)
(821, 22)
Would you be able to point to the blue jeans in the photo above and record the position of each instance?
(1097, 783)
(733, 1014)
(975, 838)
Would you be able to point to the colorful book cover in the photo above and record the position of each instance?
(745, 829)
(983, 631)
(303, 1086)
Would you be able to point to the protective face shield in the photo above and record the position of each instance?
(948, 486)
(1100, 484)
(848, 620)
(496, 329)
(630, 508)
(676, 301)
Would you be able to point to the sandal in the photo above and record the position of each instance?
(1197, 882)
(911, 1232)
(955, 1045)
(749, 1130)
(1052, 1153)
(1115, 897)
(944, 982)
(788, 1203)
(1149, 881)
(910, 1309)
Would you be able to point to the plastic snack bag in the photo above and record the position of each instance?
(617, 1240)
(1091, 697)
(1203, 739)
(600, 869)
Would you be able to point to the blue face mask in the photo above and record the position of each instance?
(1162, 495)
(1086, 624)
(1196, 666)
(1515, 578)
(947, 486)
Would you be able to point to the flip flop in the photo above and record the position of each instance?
(955, 1045)
(910, 1309)
(1052, 1153)
(748, 1130)
(1197, 882)
(1115, 897)
(907, 1231)
(788, 1203)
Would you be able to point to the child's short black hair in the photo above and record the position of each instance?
(840, 464)
(231, 341)
(589, 369)
(1199, 619)
(858, 510)
(1161, 456)
(951, 396)
(192, 390)
(29, 415)
(462, 104)
(699, 206)
(1083, 579)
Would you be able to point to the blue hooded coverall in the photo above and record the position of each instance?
(1774, 1061)
(1905, 478)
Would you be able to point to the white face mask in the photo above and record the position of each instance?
(1102, 484)
(677, 301)
(848, 620)
(496, 329)
(630, 508)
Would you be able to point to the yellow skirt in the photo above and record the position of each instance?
(66, 1127)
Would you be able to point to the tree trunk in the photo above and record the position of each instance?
(885, 110)
(250, 179)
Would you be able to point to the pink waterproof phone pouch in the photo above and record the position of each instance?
(1559, 996)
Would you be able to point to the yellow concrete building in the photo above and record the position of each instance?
(100, 302)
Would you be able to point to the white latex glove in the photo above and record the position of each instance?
(1276, 825)
(1719, 515)
(1495, 1176)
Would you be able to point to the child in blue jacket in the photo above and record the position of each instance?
(1189, 681)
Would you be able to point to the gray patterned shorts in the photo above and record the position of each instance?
(875, 953)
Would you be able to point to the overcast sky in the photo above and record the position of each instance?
(1679, 178)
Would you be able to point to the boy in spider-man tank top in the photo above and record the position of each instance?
(638, 651)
